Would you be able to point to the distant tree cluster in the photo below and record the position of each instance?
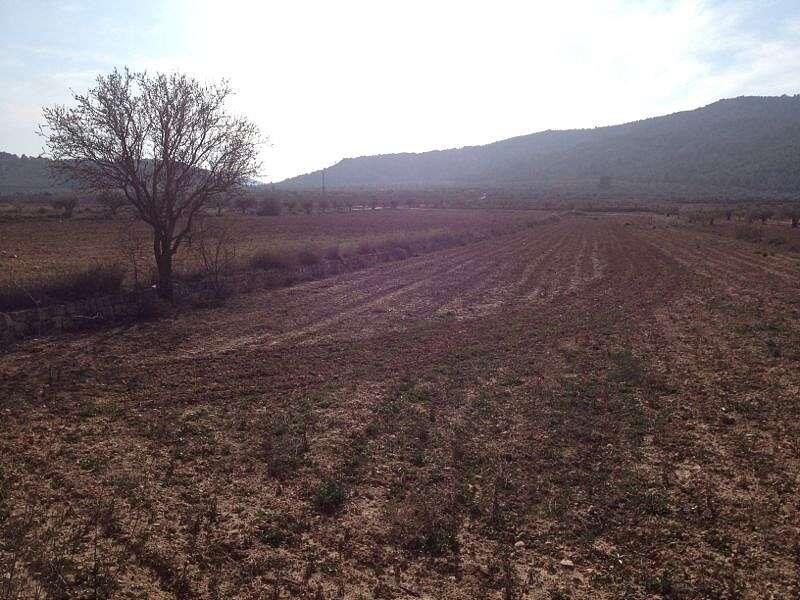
(744, 213)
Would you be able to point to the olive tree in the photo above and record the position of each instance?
(165, 141)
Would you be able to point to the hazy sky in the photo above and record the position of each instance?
(328, 80)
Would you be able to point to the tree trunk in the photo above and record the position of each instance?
(164, 286)
(163, 252)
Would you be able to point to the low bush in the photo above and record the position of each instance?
(68, 286)
(278, 528)
(269, 208)
(427, 521)
(329, 495)
(285, 441)
(308, 256)
(776, 241)
(365, 248)
(749, 233)
(270, 259)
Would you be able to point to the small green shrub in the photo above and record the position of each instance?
(329, 496)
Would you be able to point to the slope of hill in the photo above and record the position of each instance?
(741, 144)
(23, 174)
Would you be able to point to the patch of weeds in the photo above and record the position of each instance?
(773, 349)
(720, 541)
(510, 380)
(322, 400)
(5, 494)
(308, 256)
(277, 528)
(72, 437)
(329, 496)
(87, 409)
(638, 425)
(627, 367)
(482, 403)
(427, 524)
(467, 498)
(266, 260)
(663, 584)
(579, 395)
(396, 402)
(552, 453)
(91, 463)
(412, 393)
(417, 457)
(654, 502)
(285, 441)
(357, 452)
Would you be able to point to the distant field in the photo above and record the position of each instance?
(38, 249)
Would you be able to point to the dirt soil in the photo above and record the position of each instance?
(602, 407)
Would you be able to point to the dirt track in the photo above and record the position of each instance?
(608, 391)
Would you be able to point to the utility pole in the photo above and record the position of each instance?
(323, 182)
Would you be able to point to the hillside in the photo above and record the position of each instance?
(742, 144)
(23, 174)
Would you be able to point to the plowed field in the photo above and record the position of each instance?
(591, 408)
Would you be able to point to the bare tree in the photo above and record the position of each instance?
(165, 141)
(220, 203)
(132, 249)
(245, 203)
(792, 213)
(215, 245)
(66, 204)
(269, 206)
(111, 200)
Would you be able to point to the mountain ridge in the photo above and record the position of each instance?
(749, 143)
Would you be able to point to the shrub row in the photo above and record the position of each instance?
(400, 246)
(65, 287)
